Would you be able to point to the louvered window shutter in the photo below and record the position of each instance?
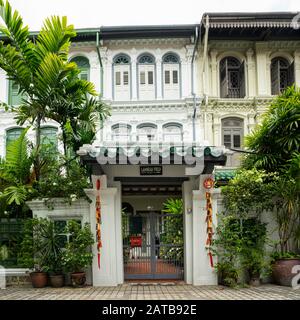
(291, 74)
(275, 77)
(224, 79)
(242, 80)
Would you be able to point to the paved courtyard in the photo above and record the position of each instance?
(132, 291)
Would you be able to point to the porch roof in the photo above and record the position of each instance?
(142, 154)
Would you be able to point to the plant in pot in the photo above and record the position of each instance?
(52, 251)
(77, 255)
(32, 254)
(288, 219)
(252, 253)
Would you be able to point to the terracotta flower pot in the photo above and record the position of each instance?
(39, 279)
(282, 271)
(78, 279)
(57, 280)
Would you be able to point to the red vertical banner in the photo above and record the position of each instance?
(98, 222)
(209, 228)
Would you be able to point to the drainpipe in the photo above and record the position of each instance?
(203, 69)
(101, 73)
(192, 84)
(100, 61)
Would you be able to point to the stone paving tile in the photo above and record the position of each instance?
(151, 292)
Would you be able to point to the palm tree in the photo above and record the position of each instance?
(16, 173)
(39, 66)
(77, 110)
(277, 138)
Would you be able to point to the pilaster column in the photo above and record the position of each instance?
(251, 73)
(159, 74)
(214, 76)
(187, 85)
(110, 262)
(134, 77)
(107, 73)
(95, 71)
(297, 67)
(203, 273)
(263, 70)
(216, 130)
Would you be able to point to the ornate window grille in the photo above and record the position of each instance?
(232, 78)
(282, 75)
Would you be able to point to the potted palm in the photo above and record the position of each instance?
(287, 218)
(77, 255)
(32, 254)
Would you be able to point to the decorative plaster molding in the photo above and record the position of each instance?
(148, 41)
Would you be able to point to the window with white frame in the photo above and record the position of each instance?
(14, 95)
(49, 138)
(282, 75)
(172, 132)
(84, 67)
(12, 135)
(147, 132)
(232, 132)
(121, 132)
(146, 77)
(171, 76)
(121, 74)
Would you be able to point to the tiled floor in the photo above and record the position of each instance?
(163, 291)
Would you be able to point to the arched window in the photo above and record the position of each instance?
(171, 76)
(146, 73)
(232, 132)
(12, 135)
(147, 132)
(282, 75)
(121, 132)
(49, 137)
(172, 132)
(232, 78)
(84, 66)
(14, 96)
(121, 73)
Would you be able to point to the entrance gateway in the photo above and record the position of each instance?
(137, 235)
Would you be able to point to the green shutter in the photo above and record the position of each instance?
(49, 137)
(14, 97)
(84, 66)
(12, 135)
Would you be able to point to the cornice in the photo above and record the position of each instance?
(147, 41)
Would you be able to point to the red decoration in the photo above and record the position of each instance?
(98, 221)
(98, 184)
(208, 183)
(209, 229)
(135, 241)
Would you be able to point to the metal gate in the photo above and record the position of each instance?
(153, 245)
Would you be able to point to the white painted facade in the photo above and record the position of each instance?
(153, 98)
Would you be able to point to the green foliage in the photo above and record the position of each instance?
(58, 182)
(250, 191)
(285, 255)
(240, 247)
(35, 252)
(77, 254)
(16, 173)
(173, 230)
(276, 139)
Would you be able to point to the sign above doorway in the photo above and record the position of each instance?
(150, 170)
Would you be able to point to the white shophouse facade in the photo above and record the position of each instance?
(207, 83)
